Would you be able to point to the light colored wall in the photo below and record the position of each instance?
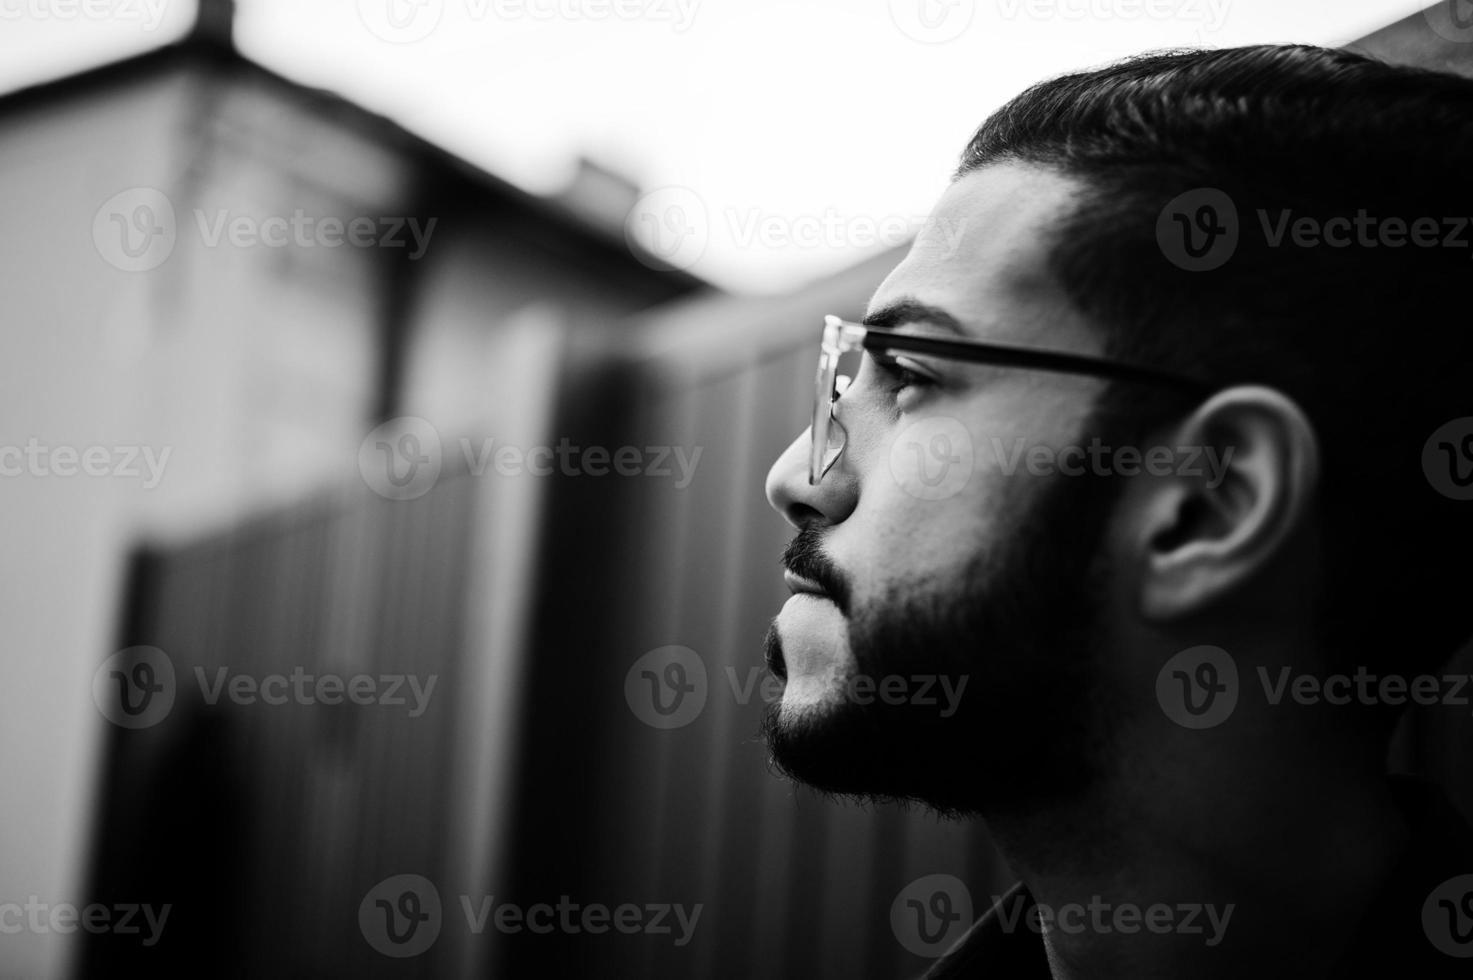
(251, 367)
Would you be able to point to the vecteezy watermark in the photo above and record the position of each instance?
(136, 230)
(670, 228)
(135, 687)
(64, 918)
(658, 462)
(138, 687)
(1199, 687)
(1209, 13)
(831, 228)
(403, 915)
(300, 687)
(1362, 229)
(1199, 230)
(933, 21)
(402, 459)
(930, 914)
(1102, 917)
(1447, 916)
(407, 21)
(934, 458)
(37, 459)
(1451, 20)
(148, 14)
(1447, 459)
(668, 687)
(1099, 459)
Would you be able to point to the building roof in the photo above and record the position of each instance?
(208, 49)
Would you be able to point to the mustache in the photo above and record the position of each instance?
(804, 556)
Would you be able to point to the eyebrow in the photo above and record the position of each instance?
(907, 310)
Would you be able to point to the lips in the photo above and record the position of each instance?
(807, 570)
(798, 585)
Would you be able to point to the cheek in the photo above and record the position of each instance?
(895, 542)
(940, 490)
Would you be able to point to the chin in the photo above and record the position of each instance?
(808, 696)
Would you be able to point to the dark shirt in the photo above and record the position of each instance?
(1391, 941)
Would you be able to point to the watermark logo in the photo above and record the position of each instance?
(666, 688)
(1198, 230)
(1103, 918)
(1209, 13)
(1364, 688)
(671, 227)
(401, 21)
(1198, 687)
(932, 459)
(134, 230)
(64, 918)
(1451, 20)
(933, 21)
(408, 21)
(1447, 459)
(1447, 917)
(303, 230)
(401, 459)
(1100, 459)
(507, 459)
(832, 228)
(668, 228)
(149, 14)
(42, 460)
(401, 915)
(408, 691)
(571, 918)
(931, 914)
(135, 688)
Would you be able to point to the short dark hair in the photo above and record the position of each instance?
(1371, 341)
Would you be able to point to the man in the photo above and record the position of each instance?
(1151, 562)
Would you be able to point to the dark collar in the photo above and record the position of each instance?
(1391, 941)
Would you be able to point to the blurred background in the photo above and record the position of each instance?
(387, 392)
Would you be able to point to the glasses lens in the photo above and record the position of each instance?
(839, 360)
(819, 459)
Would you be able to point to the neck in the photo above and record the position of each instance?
(1253, 862)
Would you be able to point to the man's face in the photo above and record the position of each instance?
(957, 580)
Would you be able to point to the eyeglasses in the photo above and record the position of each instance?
(841, 337)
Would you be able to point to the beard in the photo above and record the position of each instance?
(1021, 628)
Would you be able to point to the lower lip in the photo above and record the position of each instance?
(813, 634)
(810, 603)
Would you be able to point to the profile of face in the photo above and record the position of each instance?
(944, 639)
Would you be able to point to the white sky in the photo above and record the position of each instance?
(791, 135)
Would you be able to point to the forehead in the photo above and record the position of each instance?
(983, 257)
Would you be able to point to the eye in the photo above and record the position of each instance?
(900, 374)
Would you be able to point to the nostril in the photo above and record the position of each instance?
(800, 515)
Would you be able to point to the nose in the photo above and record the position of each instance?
(799, 503)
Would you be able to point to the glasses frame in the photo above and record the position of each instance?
(843, 337)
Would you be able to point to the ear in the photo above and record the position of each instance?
(1208, 528)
